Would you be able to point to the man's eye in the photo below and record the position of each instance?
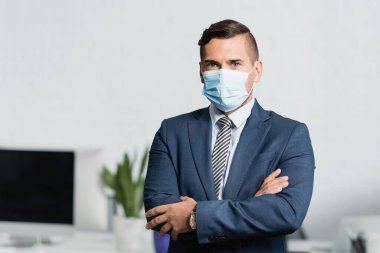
(236, 64)
(211, 64)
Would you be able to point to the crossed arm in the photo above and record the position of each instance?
(175, 217)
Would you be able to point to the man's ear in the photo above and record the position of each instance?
(200, 72)
(259, 70)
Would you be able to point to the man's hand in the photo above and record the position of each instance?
(175, 216)
(273, 184)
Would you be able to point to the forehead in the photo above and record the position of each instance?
(224, 49)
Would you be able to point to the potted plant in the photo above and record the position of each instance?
(128, 188)
(128, 192)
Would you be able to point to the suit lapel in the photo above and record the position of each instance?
(250, 141)
(200, 143)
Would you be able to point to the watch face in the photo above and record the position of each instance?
(192, 221)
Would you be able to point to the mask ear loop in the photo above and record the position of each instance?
(250, 93)
(254, 66)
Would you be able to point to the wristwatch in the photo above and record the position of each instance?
(192, 220)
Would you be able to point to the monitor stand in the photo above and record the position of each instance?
(17, 241)
(23, 241)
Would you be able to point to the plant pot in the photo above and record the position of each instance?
(131, 235)
(161, 243)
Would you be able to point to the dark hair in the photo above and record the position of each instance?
(226, 29)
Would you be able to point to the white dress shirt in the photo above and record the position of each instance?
(238, 118)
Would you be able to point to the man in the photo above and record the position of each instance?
(231, 177)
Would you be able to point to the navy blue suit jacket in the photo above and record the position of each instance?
(180, 165)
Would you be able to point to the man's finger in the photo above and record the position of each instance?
(272, 175)
(165, 228)
(174, 235)
(259, 193)
(156, 211)
(276, 188)
(279, 180)
(276, 181)
(156, 221)
(284, 184)
(184, 198)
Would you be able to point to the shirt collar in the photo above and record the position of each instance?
(238, 117)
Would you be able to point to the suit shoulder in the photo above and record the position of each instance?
(185, 117)
(279, 121)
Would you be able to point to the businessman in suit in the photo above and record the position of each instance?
(231, 177)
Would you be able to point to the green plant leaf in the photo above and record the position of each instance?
(127, 185)
(128, 192)
(143, 163)
(108, 178)
(119, 187)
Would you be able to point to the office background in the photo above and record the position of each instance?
(103, 74)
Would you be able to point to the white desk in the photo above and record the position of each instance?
(97, 242)
(311, 246)
(83, 242)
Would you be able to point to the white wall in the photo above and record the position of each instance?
(103, 74)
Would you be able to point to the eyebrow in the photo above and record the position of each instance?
(232, 60)
(235, 60)
(212, 61)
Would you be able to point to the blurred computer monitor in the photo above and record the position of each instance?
(36, 192)
(48, 191)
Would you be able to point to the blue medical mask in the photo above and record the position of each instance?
(225, 88)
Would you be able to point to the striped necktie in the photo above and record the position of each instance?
(220, 152)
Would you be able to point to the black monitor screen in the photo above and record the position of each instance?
(36, 186)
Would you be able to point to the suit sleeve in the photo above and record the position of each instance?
(161, 179)
(271, 214)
